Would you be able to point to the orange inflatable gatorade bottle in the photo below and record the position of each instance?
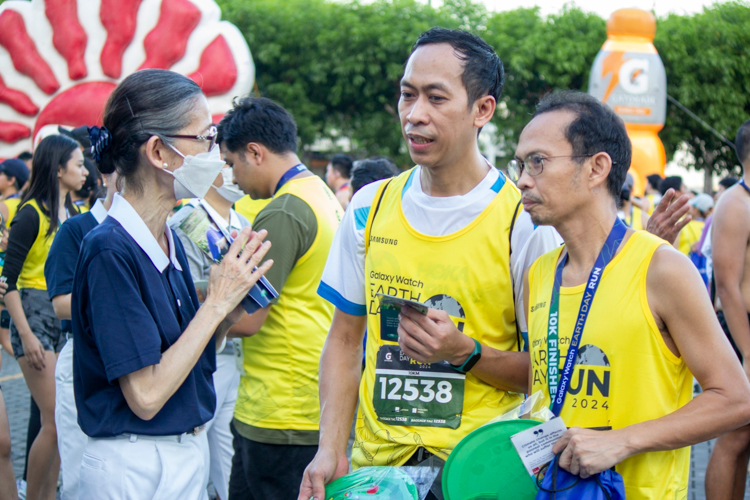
(628, 75)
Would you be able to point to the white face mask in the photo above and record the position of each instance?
(229, 190)
(197, 173)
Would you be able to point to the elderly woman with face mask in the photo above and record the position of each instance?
(145, 348)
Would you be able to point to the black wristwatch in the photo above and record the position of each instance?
(471, 360)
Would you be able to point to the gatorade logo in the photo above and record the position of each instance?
(634, 76)
(631, 74)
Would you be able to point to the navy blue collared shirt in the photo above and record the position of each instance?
(130, 303)
(60, 266)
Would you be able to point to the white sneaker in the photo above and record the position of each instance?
(21, 486)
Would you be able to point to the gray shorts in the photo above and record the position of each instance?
(42, 320)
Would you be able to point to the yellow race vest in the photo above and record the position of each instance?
(279, 384)
(249, 207)
(624, 373)
(634, 219)
(12, 204)
(467, 274)
(690, 235)
(32, 272)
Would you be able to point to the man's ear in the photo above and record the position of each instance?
(484, 109)
(255, 152)
(601, 166)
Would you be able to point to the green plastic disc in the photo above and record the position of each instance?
(485, 463)
(373, 483)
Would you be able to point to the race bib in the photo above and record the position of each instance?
(409, 393)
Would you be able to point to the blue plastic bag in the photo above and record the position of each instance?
(559, 484)
(699, 261)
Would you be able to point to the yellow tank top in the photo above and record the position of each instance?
(32, 272)
(625, 373)
(279, 384)
(690, 235)
(249, 207)
(467, 274)
(12, 204)
(634, 219)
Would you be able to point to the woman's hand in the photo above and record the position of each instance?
(232, 279)
(34, 351)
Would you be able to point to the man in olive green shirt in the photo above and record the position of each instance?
(276, 417)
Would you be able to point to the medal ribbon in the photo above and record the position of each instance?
(295, 170)
(559, 381)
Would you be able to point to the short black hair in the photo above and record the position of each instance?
(654, 180)
(370, 170)
(343, 164)
(595, 129)
(260, 120)
(674, 182)
(25, 156)
(742, 142)
(728, 182)
(483, 70)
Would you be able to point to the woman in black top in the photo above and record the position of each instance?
(35, 331)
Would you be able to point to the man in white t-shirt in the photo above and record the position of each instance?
(449, 92)
(449, 233)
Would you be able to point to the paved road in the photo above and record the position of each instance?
(17, 396)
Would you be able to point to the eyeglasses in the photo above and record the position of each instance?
(211, 137)
(533, 164)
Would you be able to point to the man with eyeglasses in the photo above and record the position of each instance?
(617, 311)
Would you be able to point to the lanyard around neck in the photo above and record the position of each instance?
(742, 183)
(220, 223)
(295, 170)
(558, 381)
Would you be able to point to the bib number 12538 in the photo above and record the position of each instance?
(414, 394)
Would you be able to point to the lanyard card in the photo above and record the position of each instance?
(390, 308)
(534, 445)
(559, 380)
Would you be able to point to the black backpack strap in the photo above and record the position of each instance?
(512, 225)
(371, 218)
(510, 252)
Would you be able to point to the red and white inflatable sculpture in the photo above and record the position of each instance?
(60, 59)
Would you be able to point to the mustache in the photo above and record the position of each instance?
(527, 196)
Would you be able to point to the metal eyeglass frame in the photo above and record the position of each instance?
(213, 134)
(516, 167)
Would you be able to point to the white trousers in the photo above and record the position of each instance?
(145, 467)
(71, 441)
(221, 451)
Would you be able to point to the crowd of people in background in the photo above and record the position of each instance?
(150, 378)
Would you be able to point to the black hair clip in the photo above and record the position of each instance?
(100, 139)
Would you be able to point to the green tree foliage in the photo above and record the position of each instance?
(336, 65)
(708, 71)
(540, 55)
